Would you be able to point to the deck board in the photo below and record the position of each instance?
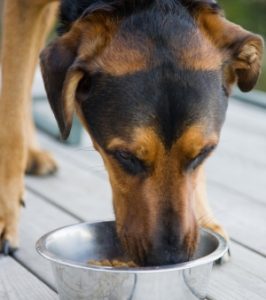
(243, 278)
(38, 218)
(16, 283)
(243, 218)
(81, 192)
(240, 160)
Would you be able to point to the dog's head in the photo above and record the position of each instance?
(150, 82)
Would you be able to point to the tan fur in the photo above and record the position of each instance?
(121, 57)
(138, 203)
(195, 138)
(187, 191)
(191, 142)
(200, 54)
(242, 50)
(42, 161)
(125, 56)
(72, 80)
(144, 143)
(203, 211)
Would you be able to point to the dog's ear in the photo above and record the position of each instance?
(58, 73)
(63, 63)
(242, 49)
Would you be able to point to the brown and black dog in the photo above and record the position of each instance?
(149, 80)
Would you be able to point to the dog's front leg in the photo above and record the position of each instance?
(204, 214)
(23, 26)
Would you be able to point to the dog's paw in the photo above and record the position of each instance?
(40, 163)
(10, 205)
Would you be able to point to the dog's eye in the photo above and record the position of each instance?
(198, 160)
(129, 162)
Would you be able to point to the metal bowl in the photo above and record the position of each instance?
(70, 248)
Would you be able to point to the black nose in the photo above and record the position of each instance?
(168, 245)
(166, 256)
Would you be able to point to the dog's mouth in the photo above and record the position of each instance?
(166, 257)
(145, 254)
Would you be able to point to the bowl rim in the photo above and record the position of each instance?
(210, 258)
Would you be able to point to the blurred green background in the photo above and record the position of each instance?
(251, 14)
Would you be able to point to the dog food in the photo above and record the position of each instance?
(113, 263)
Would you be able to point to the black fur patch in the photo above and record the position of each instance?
(71, 10)
(195, 6)
(160, 98)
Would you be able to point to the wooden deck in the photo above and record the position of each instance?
(80, 191)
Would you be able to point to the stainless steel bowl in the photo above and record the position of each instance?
(70, 248)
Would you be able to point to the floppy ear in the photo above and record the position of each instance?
(242, 49)
(63, 64)
(56, 62)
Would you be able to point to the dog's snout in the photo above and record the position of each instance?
(168, 246)
(157, 253)
(165, 246)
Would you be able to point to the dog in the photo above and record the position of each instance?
(149, 81)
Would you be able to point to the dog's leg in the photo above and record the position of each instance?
(204, 214)
(203, 211)
(21, 18)
(39, 162)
